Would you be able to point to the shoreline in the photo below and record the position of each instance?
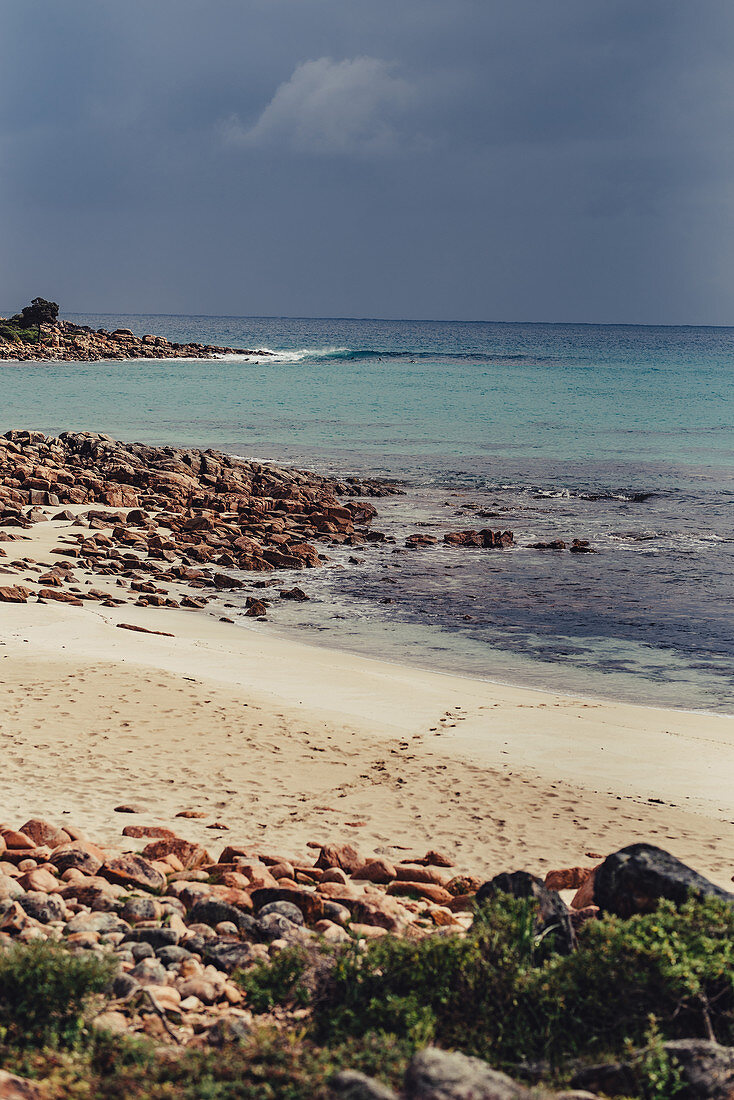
(289, 633)
(317, 760)
(269, 737)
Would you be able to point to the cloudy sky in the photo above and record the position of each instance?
(553, 160)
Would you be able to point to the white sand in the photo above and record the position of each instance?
(286, 743)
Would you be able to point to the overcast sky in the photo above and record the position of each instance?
(551, 160)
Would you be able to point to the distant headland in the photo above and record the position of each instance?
(36, 333)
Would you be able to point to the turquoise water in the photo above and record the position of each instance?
(624, 435)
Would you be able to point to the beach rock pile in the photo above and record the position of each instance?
(180, 922)
(171, 516)
(67, 342)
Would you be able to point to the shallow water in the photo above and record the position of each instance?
(622, 435)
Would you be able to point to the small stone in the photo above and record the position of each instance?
(116, 1023)
(212, 912)
(15, 841)
(284, 909)
(205, 991)
(43, 907)
(157, 832)
(136, 909)
(229, 1029)
(191, 855)
(43, 833)
(339, 855)
(133, 870)
(378, 870)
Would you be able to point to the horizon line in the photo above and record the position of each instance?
(395, 320)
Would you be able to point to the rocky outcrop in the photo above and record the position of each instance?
(180, 923)
(63, 341)
(158, 517)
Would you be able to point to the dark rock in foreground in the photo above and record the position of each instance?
(435, 1074)
(637, 878)
(554, 917)
(706, 1069)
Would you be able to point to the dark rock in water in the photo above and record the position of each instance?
(294, 594)
(256, 609)
(581, 546)
(350, 1085)
(554, 917)
(556, 544)
(706, 1068)
(489, 540)
(635, 879)
(442, 1075)
(413, 542)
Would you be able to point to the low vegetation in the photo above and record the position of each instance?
(13, 333)
(46, 993)
(25, 327)
(500, 993)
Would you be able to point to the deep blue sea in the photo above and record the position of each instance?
(622, 435)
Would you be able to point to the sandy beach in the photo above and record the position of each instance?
(282, 744)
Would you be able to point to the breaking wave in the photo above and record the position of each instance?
(356, 355)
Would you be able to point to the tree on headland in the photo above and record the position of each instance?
(39, 312)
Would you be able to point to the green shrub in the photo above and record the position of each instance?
(15, 334)
(500, 994)
(45, 992)
(277, 981)
(444, 988)
(675, 965)
(658, 1078)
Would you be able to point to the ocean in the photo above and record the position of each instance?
(622, 435)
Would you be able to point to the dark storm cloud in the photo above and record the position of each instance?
(539, 159)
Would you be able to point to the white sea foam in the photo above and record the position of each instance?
(286, 355)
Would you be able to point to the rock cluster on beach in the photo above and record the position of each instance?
(152, 517)
(183, 926)
(180, 922)
(66, 342)
(170, 523)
